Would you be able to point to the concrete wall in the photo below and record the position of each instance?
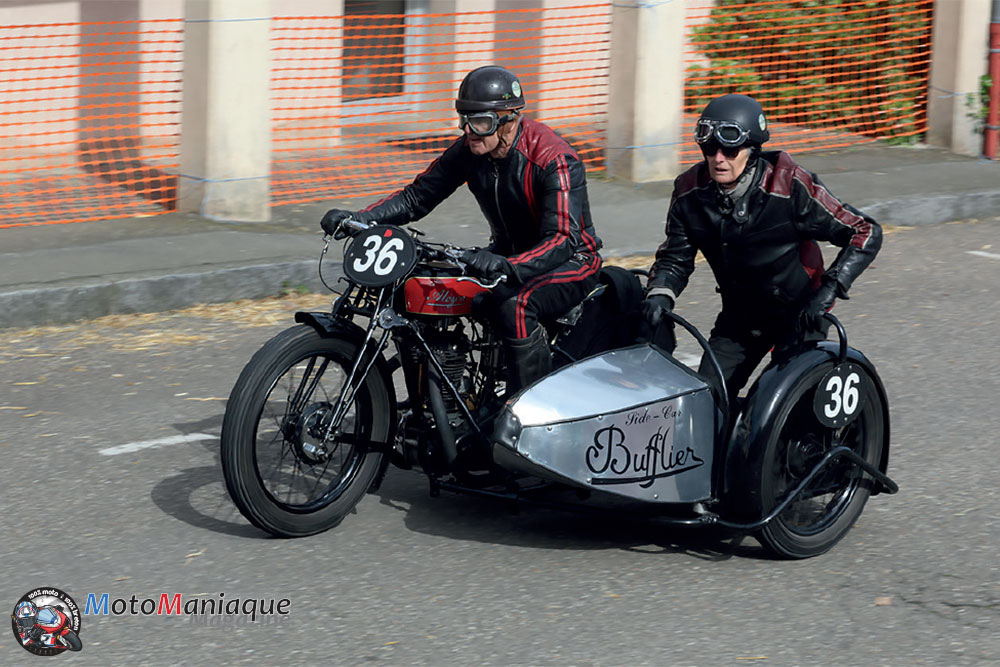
(959, 58)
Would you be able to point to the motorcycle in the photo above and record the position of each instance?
(52, 629)
(313, 421)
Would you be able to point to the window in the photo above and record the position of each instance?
(374, 32)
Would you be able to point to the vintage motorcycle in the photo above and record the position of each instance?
(313, 421)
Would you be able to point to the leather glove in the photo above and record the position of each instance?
(811, 317)
(487, 264)
(331, 222)
(655, 307)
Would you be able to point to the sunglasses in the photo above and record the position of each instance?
(709, 149)
(483, 123)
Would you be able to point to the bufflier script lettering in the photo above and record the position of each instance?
(610, 452)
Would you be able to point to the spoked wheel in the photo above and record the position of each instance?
(827, 508)
(282, 471)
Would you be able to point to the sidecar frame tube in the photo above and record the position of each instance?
(707, 519)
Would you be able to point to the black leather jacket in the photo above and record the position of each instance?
(535, 198)
(764, 251)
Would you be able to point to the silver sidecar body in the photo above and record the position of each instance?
(633, 422)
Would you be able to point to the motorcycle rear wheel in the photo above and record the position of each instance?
(281, 474)
(831, 504)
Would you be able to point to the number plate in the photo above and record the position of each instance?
(379, 256)
(840, 395)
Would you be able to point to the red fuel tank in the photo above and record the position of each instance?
(440, 295)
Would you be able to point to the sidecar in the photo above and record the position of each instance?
(795, 464)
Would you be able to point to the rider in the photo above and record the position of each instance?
(532, 188)
(26, 613)
(756, 216)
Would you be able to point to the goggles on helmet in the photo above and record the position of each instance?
(483, 123)
(726, 133)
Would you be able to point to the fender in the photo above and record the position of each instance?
(765, 399)
(331, 326)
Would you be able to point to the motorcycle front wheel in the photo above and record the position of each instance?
(282, 472)
(827, 508)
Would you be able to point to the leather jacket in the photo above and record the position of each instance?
(535, 198)
(763, 248)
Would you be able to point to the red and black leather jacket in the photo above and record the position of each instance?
(535, 198)
(763, 251)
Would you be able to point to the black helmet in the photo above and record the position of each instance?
(489, 88)
(732, 120)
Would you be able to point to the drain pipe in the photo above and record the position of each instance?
(991, 136)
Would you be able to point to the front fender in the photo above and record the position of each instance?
(754, 422)
(329, 325)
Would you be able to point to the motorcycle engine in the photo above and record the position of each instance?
(451, 348)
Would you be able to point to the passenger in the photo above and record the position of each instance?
(757, 217)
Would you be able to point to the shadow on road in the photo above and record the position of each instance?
(497, 521)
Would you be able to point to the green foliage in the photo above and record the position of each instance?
(978, 105)
(860, 68)
(288, 289)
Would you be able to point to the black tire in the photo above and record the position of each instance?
(266, 446)
(829, 506)
(72, 641)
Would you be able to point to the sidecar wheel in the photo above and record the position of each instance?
(826, 509)
(279, 472)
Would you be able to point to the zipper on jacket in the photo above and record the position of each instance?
(496, 198)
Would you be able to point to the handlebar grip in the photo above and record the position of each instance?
(355, 226)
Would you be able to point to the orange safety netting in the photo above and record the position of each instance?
(89, 120)
(361, 103)
(364, 102)
(828, 75)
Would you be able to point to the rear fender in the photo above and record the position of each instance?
(765, 399)
(331, 326)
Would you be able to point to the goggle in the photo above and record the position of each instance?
(726, 133)
(483, 123)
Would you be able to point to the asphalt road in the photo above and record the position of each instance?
(410, 579)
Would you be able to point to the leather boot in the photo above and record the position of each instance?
(528, 359)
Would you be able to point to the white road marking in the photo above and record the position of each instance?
(159, 442)
(980, 253)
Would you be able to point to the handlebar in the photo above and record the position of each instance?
(444, 252)
(499, 279)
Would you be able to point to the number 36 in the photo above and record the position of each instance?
(843, 395)
(840, 394)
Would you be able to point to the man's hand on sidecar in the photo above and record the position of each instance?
(655, 307)
(811, 317)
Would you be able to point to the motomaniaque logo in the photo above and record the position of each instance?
(200, 609)
(46, 621)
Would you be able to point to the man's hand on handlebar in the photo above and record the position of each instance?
(488, 265)
(332, 223)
